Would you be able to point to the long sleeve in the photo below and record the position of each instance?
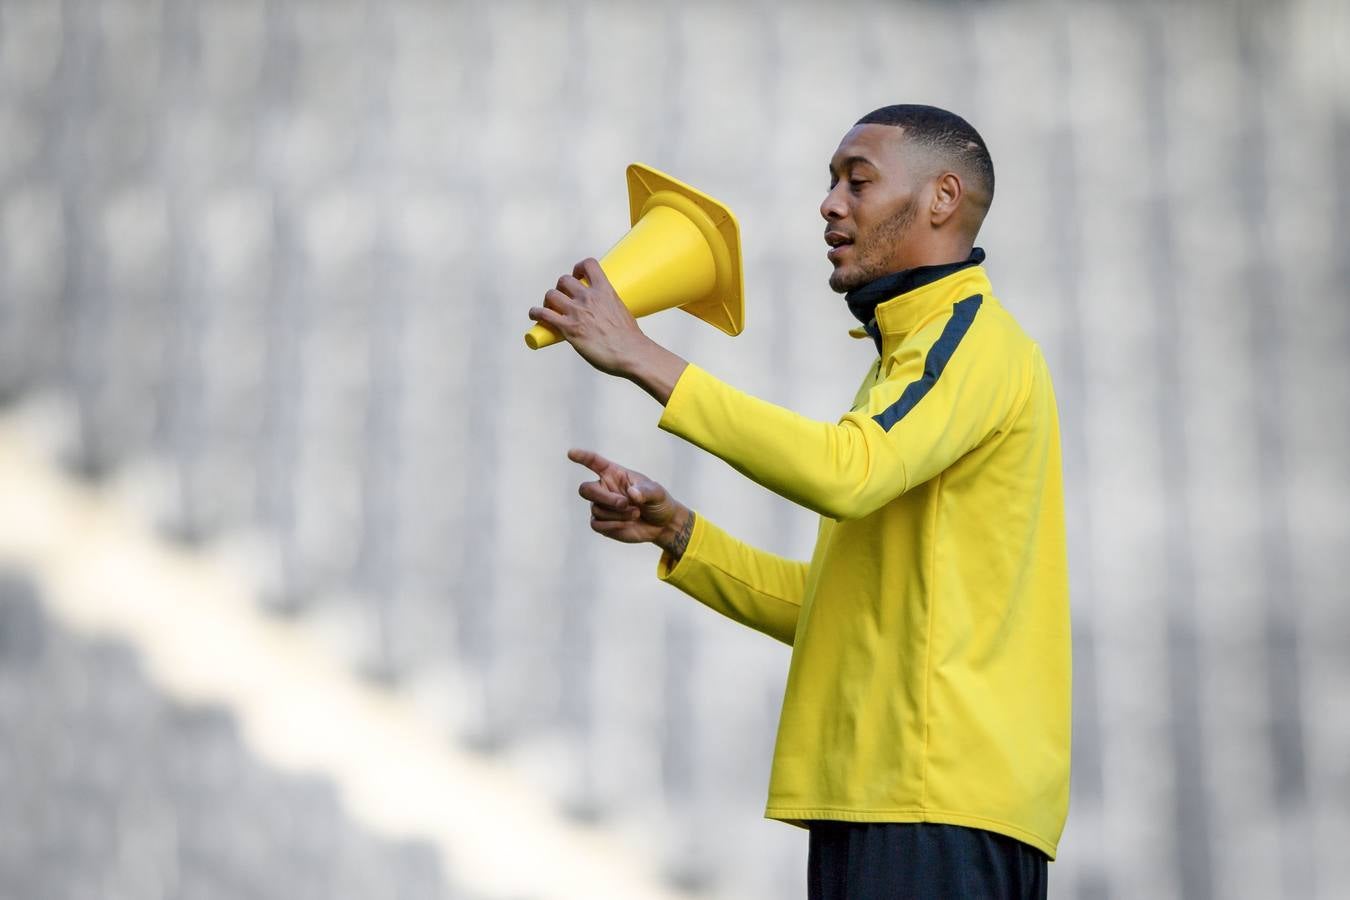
(941, 397)
(751, 586)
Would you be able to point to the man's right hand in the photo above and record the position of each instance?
(629, 507)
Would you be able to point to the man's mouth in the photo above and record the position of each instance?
(839, 243)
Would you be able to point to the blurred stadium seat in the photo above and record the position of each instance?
(113, 791)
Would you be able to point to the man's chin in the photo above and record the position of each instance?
(842, 280)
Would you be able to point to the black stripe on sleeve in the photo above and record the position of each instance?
(963, 314)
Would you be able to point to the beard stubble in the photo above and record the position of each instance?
(877, 248)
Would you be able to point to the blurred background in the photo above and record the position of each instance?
(263, 281)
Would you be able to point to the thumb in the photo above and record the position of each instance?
(647, 493)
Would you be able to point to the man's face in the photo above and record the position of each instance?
(870, 208)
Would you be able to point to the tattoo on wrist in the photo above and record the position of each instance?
(682, 537)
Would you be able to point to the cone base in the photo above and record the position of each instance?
(683, 250)
(724, 307)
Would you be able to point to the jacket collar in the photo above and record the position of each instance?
(893, 305)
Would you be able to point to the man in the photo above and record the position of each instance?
(924, 736)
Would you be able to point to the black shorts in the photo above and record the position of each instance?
(921, 861)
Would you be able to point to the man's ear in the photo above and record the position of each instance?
(947, 194)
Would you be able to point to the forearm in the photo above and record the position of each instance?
(743, 583)
(674, 538)
(654, 369)
(837, 470)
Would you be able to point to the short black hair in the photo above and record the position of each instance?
(951, 136)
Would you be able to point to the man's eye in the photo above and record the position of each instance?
(856, 183)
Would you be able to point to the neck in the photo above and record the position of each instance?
(862, 301)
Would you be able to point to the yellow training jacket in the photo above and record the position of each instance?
(930, 666)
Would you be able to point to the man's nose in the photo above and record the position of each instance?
(832, 207)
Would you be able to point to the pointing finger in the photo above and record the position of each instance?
(590, 459)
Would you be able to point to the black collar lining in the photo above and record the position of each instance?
(863, 301)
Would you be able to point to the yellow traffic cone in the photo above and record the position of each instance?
(684, 250)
